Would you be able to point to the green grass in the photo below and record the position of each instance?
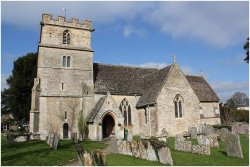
(38, 152)
(125, 160)
(218, 156)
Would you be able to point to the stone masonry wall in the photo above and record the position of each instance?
(52, 115)
(177, 84)
(210, 113)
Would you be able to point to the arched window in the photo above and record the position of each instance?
(66, 37)
(64, 61)
(68, 61)
(178, 101)
(126, 111)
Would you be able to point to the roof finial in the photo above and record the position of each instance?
(174, 58)
(201, 73)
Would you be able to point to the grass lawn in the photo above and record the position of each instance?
(38, 153)
(218, 156)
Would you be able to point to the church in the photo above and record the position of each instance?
(111, 99)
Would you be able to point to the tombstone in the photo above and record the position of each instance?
(98, 158)
(210, 141)
(10, 138)
(198, 149)
(48, 138)
(193, 132)
(113, 145)
(130, 137)
(182, 145)
(233, 146)
(164, 155)
(209, 130)
(222, 133)
(55, 142)
(51, 139)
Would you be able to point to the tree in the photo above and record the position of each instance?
(237, 99)
(82, 126)
(17, 98)
(246, 47)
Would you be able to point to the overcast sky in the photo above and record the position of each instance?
(204, 36)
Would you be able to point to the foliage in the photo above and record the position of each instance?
(218, 156)
(227, 115)
(242, 116)
(17, 98)
(237, 99)
(246, 47)
(156, 143)
(137, 138)
(223, 126)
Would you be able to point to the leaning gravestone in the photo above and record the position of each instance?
(193, 132)
(233, 147)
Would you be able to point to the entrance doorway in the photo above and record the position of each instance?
(108, 125)
(65, 131)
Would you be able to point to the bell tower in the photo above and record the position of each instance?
(64, 84)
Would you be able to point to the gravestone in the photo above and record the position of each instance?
(223, 132)
(199, 149)
(233, 146)
(193, 132)
(209, 141)
(51, 139)
(182, 145)
(55, 142)
(48, 138)
(164, 155)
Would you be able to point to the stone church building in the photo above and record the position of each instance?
(145, 101)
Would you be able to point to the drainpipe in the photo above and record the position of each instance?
(149, 116)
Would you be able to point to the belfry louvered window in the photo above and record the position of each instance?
(66, 37)
(126, 111)
(178, 106)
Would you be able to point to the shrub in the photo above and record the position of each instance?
(136, 138)
(156, 143)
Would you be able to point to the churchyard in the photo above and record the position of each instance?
(39, 153)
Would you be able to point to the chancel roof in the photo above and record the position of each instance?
(145, 82)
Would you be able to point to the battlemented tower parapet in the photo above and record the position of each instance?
(61, 21)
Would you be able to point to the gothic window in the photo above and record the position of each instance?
(66, 37)
(178, 101)
(146, 115)
(126, 111)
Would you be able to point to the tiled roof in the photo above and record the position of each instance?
(146, 82)
(202, 89)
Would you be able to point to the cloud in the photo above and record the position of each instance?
(219, 24)
(225, 89)
(131, 30)
(3, 81)
(28, 14)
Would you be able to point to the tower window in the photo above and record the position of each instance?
(178, 101)
(66, 37)
(62, 86)
(66, 61)
(65, 115)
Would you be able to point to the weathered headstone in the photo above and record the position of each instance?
(233, 146)
(198, 149)
(55, 142)
(193, 132)
(130, 137)
(51, 139)
(10, 138)
(209, 141)
(182, 145)
(165, 156)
